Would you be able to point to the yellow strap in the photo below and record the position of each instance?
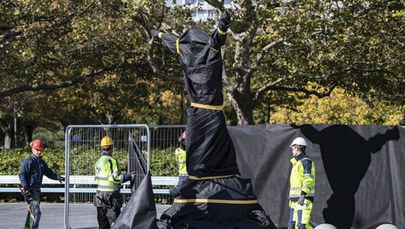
(221, 32)
(214, 201)
(207, 106)
(212, 177)
(160, 35)
(213, 49)
(177, 46)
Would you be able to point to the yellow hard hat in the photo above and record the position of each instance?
(106, 141)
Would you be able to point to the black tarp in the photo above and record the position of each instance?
(140, 210)
(359, 177)
(360, 171)
(209, 148)
(221, 203)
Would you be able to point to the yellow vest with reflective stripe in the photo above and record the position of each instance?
(107, 175)
(299, 181)
(181, 161)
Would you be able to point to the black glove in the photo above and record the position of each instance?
(26, 191)
(126, 177)
(61, 178)
(154, 33)
(301, 199)
(224, 22)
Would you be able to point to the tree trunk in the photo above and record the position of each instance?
(243, 105)
(28, 132)
(7, 131)
(7, 138)
(7, 141)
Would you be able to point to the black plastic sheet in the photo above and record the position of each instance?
(359, 171)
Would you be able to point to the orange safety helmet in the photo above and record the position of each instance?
(37, 145)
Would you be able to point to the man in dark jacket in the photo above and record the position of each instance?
(32, 170)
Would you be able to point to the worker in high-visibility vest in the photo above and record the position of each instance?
(108, 199)
(302, 186)
(180, 154)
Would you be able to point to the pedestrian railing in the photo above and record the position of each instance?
(77, 181)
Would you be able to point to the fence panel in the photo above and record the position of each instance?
(82, 150)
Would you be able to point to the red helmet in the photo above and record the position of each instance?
(37, 145)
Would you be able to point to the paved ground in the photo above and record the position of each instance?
(12, 215)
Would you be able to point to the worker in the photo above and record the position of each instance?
(32, 170)
(180, 154)
(302, 186)
(108, 199)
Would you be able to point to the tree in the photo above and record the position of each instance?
(277, 46)
(273, 47)
(339, 108)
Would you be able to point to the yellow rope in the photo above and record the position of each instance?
(221, 32)
(207, 106)
(177, 46)
(212, 177)
(214, 201)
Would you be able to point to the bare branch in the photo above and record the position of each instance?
(264, 50)
(155, 68)
(50, 87)
(293, 89)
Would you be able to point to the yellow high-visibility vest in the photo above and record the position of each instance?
(107, 174)
(181, 161)
(301, 180)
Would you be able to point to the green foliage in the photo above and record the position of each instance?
(162, 164)
(11, 161)
(98, 55)
(162, 161)
(340, 108)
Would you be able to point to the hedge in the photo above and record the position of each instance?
(162, 164)
(162, 161)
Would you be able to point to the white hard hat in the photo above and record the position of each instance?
(325, 226)
(299, 141)
(387, 226)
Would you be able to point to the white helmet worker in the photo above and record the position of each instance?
(325, 226)
(299, 141)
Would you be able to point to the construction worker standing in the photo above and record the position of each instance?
(180, 154)
(108, 199)
(32, 170)
(302, 186)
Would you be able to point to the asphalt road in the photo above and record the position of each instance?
(12, 215)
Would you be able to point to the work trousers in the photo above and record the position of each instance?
(106, 217)
(34, 211)
(108, 208)
(300, 215)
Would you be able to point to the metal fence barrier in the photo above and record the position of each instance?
(82, 150)
(78, 181)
